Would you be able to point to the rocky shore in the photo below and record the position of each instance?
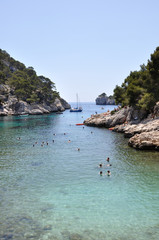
(143, 133)
(10, 105)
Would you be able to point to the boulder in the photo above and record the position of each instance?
(107, 120)
(145, 140)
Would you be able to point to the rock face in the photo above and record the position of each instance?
(145, 140)
(116, 117)
(9, 104)
(106, 119)
(104, 100)
(143, 132)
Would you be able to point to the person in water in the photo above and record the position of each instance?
(108, 173)
(109, 165)
(108, 159)
(100, 165)
(101, 173)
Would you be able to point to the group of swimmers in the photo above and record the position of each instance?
(108, 173)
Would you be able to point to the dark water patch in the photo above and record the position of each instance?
(21, 227)
(47, 227)
(152, 233)
(75, 236)
(67, 235)
(36, 164)
(6, 236)
(48, 208)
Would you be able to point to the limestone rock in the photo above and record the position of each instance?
(104, 100)
(106, 119)
(143, 132)
(145, 140)
(9, 104)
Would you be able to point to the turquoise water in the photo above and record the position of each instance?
(55, 192)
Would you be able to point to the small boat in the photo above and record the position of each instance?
(79, 124)
(77, 109)
(112, 128)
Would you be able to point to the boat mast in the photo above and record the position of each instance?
(77, 99)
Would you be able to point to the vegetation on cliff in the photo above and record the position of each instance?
(27, 86)
(141, 88)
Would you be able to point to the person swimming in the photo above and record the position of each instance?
(108, 173)
(101, 173)
(109, 165)
(108, 159)
(100, 165)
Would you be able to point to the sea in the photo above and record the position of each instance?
(51, 189)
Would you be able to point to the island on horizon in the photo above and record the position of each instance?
(103, 99)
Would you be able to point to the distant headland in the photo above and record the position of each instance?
(103, 99)
(23, 92)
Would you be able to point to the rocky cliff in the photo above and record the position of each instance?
(142, 130)
(104, 100)
(10, 105)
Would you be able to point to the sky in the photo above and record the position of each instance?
(84, 46)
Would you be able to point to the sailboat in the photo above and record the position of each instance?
(77, 109)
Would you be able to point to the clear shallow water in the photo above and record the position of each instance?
(55, 192)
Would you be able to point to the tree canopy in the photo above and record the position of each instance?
(25, 82)
(141, 88)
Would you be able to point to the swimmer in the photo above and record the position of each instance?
(47, 143)
(53, 141)
(78, 149)
(108, 159)
(100, 165)
(54, 134)
(101, 173)
(69, 141)
(108, 173)
(109, 165)
(33, 145)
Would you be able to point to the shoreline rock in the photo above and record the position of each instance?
(10, 105)
(143, 132)
(145, 141)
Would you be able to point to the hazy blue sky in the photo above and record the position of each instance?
(84, 46)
